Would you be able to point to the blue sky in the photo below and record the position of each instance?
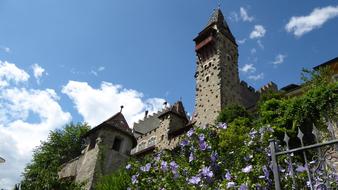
(63, 61)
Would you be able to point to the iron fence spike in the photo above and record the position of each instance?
(286, 139)
(300, 134)
(315, 132)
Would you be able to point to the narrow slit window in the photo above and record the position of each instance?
(117, 144)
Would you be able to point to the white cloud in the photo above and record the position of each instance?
(101, 68)
(96, 71)
(258, 32)
(279, 59)
(26, 117)
(244, 15)
(242, 41)
(253, 51)
(9, 72)
(248, 68)
(97, 105)
(300, 25)
(37, 72)
(256, 77)
(5, 49)
(234, 16)
(260, 44)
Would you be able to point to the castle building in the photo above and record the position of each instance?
(108, 147)
(110, 144)
(217, 78)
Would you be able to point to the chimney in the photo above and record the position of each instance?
(145, 114)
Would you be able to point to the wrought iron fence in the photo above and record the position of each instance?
(319, 173)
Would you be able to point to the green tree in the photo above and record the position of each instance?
(61, 146)
(229, 113)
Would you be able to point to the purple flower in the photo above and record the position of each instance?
(252, 133)
(213, 156)
(265, 171)
(206, 172)
(201, 137)
(184, 143)
(173, 166)
(300, 169)
(191, 157)
(203, 145)
(190, 132)
(247, 169)
(194, 180)
(228, 175)
(146, 168)
(222, 125)
(158, 157)
(164, 166)
(231, 184)
(247, 158)
(128, 167)
(134, 179)
(243, 187)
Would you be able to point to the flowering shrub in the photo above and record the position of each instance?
(204, 160)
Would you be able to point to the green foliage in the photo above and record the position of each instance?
(116, 181)
(316, 105)
(229, 113)
(61, 146)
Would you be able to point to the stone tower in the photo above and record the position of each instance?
(217, 80)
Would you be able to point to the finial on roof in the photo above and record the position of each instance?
(146, 114)
(165, 104)
(121, 108)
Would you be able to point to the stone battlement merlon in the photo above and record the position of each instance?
(271, 86)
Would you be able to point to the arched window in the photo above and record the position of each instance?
(151, 141)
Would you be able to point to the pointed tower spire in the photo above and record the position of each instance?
(216, 17)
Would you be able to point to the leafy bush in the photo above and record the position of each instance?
(118, 180)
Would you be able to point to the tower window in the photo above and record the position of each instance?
(117, 144)
(207, 79)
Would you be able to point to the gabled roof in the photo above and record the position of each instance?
(116, 122)
(176, 109)
(152, 122)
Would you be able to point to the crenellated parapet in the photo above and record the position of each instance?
(270, 87)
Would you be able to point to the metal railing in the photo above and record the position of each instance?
(321, 171)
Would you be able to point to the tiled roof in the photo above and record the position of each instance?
(116, 122)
